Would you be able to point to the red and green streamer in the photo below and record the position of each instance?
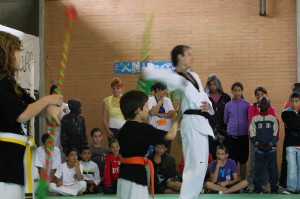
(71, 16)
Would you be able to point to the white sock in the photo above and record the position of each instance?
(220, 192)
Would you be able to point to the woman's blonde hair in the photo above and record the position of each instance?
(8, 45)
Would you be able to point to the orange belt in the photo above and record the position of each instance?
(145, 162)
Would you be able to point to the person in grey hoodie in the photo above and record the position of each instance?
(73, 129)
(218, 99)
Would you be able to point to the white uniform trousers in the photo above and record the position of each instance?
(11, 191)
(131, 190)
(68, 190)
(195, 151)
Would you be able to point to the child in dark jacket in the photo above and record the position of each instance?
(167, 179)
(291, 119)
(73, 130)
(263, 134)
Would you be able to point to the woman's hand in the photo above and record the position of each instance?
(53, 112)
(110, 134)
(55, 99)
(205, 106)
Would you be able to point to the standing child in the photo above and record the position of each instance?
(112, 168)
(283, 172)
(135, 138)
(236, 119)
(291, 119)
(224, 174)
(263, 134)
(64, 110)
(194, 128)
(73, 130)
(17, 107)
(91, 173)
(68, 179)
(218, 99)
(253, 110)
(98, 151)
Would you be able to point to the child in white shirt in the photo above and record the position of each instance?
(68, 179)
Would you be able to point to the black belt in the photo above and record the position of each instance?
(197, 112)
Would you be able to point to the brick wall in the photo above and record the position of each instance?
(228, 38)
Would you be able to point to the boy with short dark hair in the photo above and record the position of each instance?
(68, 179)
(224, 174)
(167, 179)
(135, 138)
(91, 173)
(98, 151)
(41, 154)
(291, 119)
(264, 135)
(73, 130)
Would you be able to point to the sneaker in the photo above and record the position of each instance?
(259, 190)
(247, 190)
(288, 192)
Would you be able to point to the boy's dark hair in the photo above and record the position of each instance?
(223, 147)
(295, 94)
(159, 86)
(165, 143)
(84, 148)
(238, 84)
(264, 104)
(45, 136)
(112, 141)
(178, 50)
(69, 150)
(261, 89)
(296, 87)
(94, 130)
(52, 88)
(131, 101)
(74, 104)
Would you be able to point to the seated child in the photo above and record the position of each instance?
(112, 168)
(91, 174)
(167, 179)
(68, 179)
(224, 174)
(41, 154)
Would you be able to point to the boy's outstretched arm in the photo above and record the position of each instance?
(173, 131)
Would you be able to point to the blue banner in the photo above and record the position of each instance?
(135, 67)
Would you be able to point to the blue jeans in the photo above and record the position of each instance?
(293, 168)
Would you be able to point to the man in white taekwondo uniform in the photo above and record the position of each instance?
(194, 128)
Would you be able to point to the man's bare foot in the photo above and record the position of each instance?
(79, 193)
